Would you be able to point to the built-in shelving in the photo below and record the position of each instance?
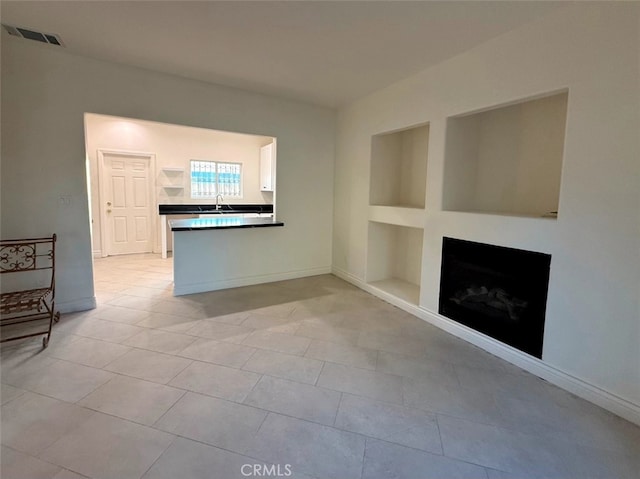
(394, 260)
(507, 159)
(171, 181)
(397, 197)
(399, 168)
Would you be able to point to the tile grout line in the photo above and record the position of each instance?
(335, 417)
(364, 456)
(173, 440)
(320, 374)
(439, 433)
(304, 355)
(249, 393)
(179, 372)
(94, 390)
(241, 368)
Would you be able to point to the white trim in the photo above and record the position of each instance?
(97, 253)
(163, 236)
(83, 304)
(275, 177)
(151, 157)
(247, 281)
(592, 393)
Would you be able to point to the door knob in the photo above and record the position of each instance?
(108, 211)
(108, 203)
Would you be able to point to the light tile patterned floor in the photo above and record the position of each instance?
(311, 375)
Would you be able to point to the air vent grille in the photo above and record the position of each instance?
(50, 38)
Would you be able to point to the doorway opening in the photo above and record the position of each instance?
(137, 165)
(139, 169)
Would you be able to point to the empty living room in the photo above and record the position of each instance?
(320, 239)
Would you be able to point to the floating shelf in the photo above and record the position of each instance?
(173, 170)
(507, 160)
(394, 260)
(399, 168)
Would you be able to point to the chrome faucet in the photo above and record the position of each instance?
(221, 200)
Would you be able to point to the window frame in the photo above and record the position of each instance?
(216, 189)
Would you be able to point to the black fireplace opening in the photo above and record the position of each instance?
(498, 291)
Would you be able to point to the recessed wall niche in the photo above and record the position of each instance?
(399, 167)
(394, 260)
(507, 160)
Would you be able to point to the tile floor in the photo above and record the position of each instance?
(312, 376)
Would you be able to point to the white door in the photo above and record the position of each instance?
(127, 203)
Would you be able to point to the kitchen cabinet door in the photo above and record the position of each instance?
(267, 167)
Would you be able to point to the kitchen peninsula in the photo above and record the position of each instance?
(217, 249)
(208, 210)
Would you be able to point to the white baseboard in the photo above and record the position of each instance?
(83, 304)
(581, 388)
(247, 281)
(97, 253)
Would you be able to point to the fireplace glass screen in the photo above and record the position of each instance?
(501, 292)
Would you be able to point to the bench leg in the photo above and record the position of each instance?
(54, 316)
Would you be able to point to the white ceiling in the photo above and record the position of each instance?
(323, 52)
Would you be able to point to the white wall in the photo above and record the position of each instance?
(173, 146)
(45, 94)
(593, 321)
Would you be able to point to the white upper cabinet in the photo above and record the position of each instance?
(267, 167)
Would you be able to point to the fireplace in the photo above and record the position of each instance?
(501, 292)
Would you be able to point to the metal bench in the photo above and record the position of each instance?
(29, 262)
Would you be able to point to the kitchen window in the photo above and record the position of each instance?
(211, 178)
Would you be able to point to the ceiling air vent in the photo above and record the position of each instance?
(50, 38)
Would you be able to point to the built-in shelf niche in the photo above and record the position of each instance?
(172, 178)
(394, 260)
(171, 182)
(507, 160)
(399, 167)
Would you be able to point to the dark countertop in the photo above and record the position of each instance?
(222, 222)
(224, 209)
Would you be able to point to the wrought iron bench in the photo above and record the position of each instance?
(35, 260)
